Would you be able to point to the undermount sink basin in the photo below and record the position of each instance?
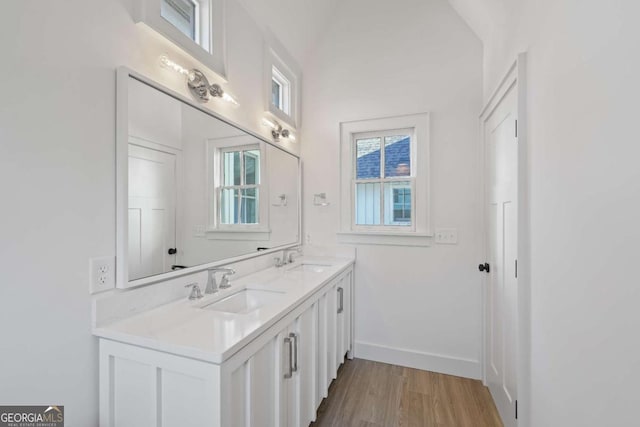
(245, 301)
(310, 267)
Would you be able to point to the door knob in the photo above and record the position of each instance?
(484, 267)
(172, 251)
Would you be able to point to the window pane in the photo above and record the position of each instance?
(229, 206)
(181, 14)
(249, 206)
(368, 158)
(252, 167)
(276, 94)
(397, 209)
(368, 203)
(231, 162)
(397, 155)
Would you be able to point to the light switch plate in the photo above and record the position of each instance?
(447, 236)
(102, 273)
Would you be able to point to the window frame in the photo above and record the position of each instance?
(215, 229)
(242, 186)
(382, 180)
(419, 234)
(285, 90)
(276, 58)
(209, 48)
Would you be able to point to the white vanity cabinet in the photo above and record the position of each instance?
(278, 379)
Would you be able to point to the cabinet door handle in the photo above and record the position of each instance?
(290, 373)
(341, 300)
(294, 337)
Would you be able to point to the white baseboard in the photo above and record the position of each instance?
(414, 359)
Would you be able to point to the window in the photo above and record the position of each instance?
(282, 80)
(382, 178)
(280, 91)
(240, 189)
(384, 184)
(196, 26)
(182, 15)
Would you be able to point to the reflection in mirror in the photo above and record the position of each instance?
(199, 189)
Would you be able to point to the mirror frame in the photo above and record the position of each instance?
(122, 180)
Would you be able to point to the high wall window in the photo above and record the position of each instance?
(385, 181)
(196, 26)
(282, 82)
(280, 91)
(183, 15)
(240, 190)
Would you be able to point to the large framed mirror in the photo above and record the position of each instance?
(194, 190)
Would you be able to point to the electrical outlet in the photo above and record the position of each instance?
(447, 236)
(102, 272)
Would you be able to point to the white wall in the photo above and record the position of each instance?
(583, 90)
(382, 59)
(57, 178)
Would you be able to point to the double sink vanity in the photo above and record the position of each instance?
(198, 194)
(260, 353)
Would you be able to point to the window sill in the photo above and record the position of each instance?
(385, 238)
(240, 234)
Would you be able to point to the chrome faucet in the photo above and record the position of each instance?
(288, 256)
(212, 285)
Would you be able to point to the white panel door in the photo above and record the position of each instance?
(152, 211)
(502, 284)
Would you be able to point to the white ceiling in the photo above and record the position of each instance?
(298, 24)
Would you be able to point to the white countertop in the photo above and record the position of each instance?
(185, 329)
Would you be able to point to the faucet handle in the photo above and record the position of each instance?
(225, 282)
(195, 293)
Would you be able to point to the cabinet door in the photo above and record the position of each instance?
(305, 365)
(343, 333)
(262, 383)
(297, 366)
(340, 323)
(347, 314)
(321, 374)
(286, 386)
(332, 325)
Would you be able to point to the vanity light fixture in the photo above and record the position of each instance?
(277, 130)
(198, 83)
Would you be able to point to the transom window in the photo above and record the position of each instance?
(183, 15)
(282, 82)
(196, 26)
(280, 91)
(240, 189)
(383, 182)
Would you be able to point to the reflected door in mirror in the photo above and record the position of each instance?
(152, 211)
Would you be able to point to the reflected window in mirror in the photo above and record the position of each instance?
(240, 190)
